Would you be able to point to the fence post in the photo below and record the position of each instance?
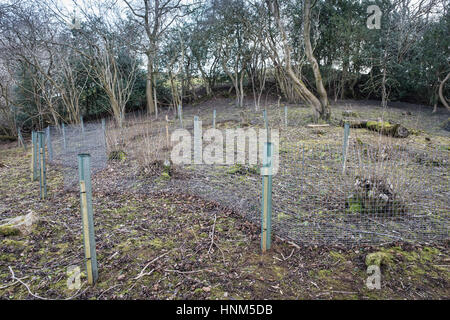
(84, 172)
(156, 103)
(104, 130)
(64, 135)
(214, 119)
(266, 205)
(82, 124)
(265, 119)
(42, 169)
(20, 139)
(34, 156)
(345, 145)
(180, 115)
(167, 132)
(266, 124)
(286, 116)
(49, 145)
(197, 141)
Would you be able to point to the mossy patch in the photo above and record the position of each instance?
(13, 243)
(379, 258)
(354, 205)
(118, 155)
(7, 230)
(7, 257)
(241, 169)
(337, 256)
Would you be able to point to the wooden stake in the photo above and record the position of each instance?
(266, 208)
(167, 131)
(87, 245)
(87, 218)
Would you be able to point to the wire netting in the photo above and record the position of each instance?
(69, 140)
(383, 191)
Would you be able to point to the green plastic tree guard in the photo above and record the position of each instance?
(34, 156)
(87, 215)
(345, 145)
(41, 164)
(266, 205)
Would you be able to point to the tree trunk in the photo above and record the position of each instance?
(324, 110)
(149, 85)
(441, 94)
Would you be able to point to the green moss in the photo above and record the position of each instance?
(379, 125)
(8, 230)
(349, 113)
(13, 243)
(117, 155)
(159, 244)
(354, 206)
(337, 256)
(323, 274)
(240, 169)
(282, 216)
(165, 175)
(62, 247)
(379, 258)
(216, 293)
(7, 257)
(237, 168)
(428, 253)
(279, 272)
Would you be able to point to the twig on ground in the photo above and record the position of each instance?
(141, 274)
(212, 234)
(116, 285)
(13, 276)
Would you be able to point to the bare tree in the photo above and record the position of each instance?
(155, 17)
(319, 105)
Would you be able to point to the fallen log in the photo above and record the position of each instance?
(317, 125)
(384, 127)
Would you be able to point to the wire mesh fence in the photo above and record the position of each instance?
(371, 191)
(67, 141)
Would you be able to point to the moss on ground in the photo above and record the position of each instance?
(162, 246)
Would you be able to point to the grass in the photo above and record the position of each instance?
(194, 248)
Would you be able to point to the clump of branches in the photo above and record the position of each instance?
(386, 179)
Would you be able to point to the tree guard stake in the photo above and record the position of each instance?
(20, 139)
(49, 145)
(197, 141)
(84, 171)
(345, 146)
(266, 207)
(180, 115)
(82, 124)
(104, 131)
(167, 132)
(64, 136)
(42, 170)
(34, 156)
(285, 116)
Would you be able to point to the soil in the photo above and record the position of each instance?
(161, 243)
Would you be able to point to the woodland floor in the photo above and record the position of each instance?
(194, 248)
